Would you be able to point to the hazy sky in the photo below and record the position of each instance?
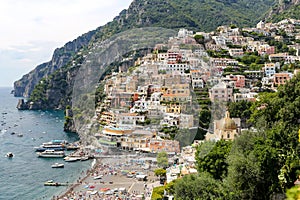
(30, 30)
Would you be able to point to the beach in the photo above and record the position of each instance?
(115, 177)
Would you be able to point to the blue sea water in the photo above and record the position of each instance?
(23, 176)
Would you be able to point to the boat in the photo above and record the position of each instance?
(9, 155)
(72, 159)
(42, 149)
(50, 153)
(98, 177)
(55, 144)
(58, 165)
(52, 183)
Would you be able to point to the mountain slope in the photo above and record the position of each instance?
(203, 15)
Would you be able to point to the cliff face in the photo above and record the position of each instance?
(24, 86)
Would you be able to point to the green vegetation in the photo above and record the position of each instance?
(261, 164)
(290, 12)
(162, 159)
(211, 158)
(240, 109)
(219, 54)
(202, 186)
(199, 39)
(253, 58)
(160, 172)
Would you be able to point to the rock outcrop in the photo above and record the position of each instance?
(22, 105)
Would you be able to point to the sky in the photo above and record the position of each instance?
(31, 30)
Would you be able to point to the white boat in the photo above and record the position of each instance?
(58, 165)
(72, 159)
(55, 144)
(98, 177)
(50, 153)
(9, 155)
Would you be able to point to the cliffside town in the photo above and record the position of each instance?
(146, 107)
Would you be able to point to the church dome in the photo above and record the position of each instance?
(229, 124)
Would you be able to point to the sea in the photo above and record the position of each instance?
(23, 176)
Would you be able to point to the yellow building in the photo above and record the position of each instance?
(226, 128)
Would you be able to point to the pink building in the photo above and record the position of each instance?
(221, 92)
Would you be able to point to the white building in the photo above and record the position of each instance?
(181, 68)
(129, 119)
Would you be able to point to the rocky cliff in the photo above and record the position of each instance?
(61, 56)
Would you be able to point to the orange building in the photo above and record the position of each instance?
(281, 79)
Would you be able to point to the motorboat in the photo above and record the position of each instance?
(71, 159)
(52, 183)
(55, 144)
(58, 165)
(98, 177)
(42, 149)
(50, 153)
(9, 155)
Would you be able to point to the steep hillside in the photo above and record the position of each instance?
(203, 15)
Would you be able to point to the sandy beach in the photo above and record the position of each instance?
(114, 178)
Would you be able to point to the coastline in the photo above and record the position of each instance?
(79, 180)
(114, 182)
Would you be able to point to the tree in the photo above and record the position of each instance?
(293, 193)
(240, 109)
(162, 159)
(253, 167)
(199, 39)
(160, 172)
(211, 158)
(202, 186)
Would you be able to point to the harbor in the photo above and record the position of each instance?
(25, 167)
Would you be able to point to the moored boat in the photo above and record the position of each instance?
(42, 149)
(50, 153)
(72, 159)
(55, 144)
